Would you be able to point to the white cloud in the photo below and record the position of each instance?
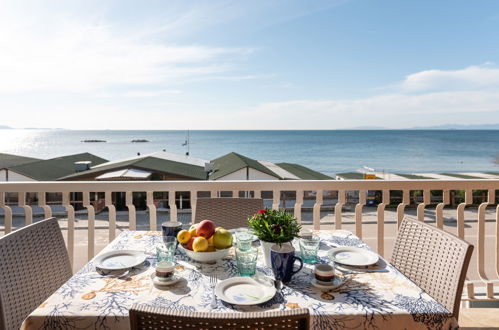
(150, 93)
(422, 97)
(62, 51)
(472, 77)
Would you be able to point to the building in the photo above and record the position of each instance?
(156, 166)
(7, 161)
(49, 169)
(234, 166)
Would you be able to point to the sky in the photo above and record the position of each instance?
(248, 64)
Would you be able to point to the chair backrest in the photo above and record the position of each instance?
(435, 260)
(228, 213)
(146, 317)
(34, 263)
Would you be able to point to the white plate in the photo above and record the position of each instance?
(337, 281)
(117, 260)
(353, 256)
(244, 291)
(158, 282)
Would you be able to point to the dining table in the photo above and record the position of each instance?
(374, 297)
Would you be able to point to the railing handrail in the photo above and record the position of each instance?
(266, 185)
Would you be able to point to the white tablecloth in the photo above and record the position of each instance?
(377, 300)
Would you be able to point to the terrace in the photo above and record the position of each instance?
(467, 208)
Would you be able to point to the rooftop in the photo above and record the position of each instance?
(150, 162)
(54, 168)
(8, 160)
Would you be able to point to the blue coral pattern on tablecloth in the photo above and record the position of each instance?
(366, 300)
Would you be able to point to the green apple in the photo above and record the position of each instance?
(222, 239)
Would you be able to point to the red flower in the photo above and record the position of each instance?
(262, 211)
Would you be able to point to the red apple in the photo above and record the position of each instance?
(188, 246)
(206, 229)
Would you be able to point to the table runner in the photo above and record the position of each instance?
(366, 300)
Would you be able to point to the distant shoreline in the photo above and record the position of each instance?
(263, 130)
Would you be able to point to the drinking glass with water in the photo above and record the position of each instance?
(246, 261)
(308, 249)
(244, 239)
(166, 251)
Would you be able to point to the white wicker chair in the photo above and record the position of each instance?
(34, 263)
(228, 213)
(434, 259)
(145, 317)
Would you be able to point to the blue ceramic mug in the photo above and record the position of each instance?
(171, 228)
(283, 260)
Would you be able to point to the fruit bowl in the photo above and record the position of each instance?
(205, 256)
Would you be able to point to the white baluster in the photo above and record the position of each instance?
(381, 222)
(497, 240)
(317, 209)
(152, 211)
(481, 243)
(421, 206)
(401, 207)
(91, 224)
(298, 205)
(439, 209)
(468, 199)
(66, 198)
(132, 214)
(43, 204)
(358, 213)
(108, 200)
(28, 212)
(276, 199)
(194, 201)
(173, 206)
(338, 209)
(7, 213)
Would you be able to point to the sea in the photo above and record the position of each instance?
(327, 151)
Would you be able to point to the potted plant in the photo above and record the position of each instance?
(273, 227)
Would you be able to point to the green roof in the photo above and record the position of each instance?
(462, 176)
(303, 172)
(8, 160)
(148, 163)
(353, 176)
(414, 176)
(233, 162)
(55, 168)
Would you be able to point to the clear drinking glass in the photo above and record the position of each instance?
(244, 239)
(308, 249)
(166, 251)
(246, 261)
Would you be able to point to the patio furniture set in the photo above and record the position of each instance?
(419, 288)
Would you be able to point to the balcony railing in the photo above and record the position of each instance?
(474, 218)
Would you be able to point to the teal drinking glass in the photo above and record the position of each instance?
(246, 261)
(166, 251)
(244, 239)
(308, 249)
